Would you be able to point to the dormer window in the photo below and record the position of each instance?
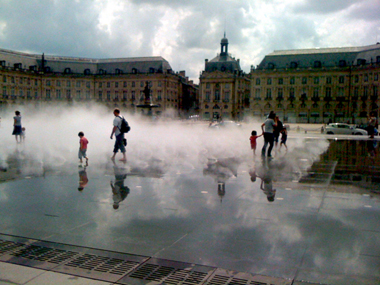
(270, 65)
(342, 63)
(293, 64)
(134, 70)
(87, 71)
(118, 71)
(18, 65)
(361, 61)
(67, 70)
(317, 64)
(101, 71)
(151, 70)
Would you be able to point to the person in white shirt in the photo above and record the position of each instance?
(269, 125)
(119, 143)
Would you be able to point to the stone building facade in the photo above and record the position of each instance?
(113, 82)
(223, 87)
(317, 85)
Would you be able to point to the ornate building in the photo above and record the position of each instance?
(224, 87)
(317, 85)
(115, 82)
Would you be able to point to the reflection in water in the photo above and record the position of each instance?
(119, 190)
(221, 170)
(83, 179)
(357, 163)
(267, 180)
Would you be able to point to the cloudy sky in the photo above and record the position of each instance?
(185, 32)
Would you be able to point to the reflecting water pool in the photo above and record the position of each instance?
(311, 213)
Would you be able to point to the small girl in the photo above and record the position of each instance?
(253, 139)
(284, 136)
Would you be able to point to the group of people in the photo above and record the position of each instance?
(120, 142)
(271, 130)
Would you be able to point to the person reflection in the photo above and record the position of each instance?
(119, 190)
(83, 180)
(267, 181)
(371, 147)
(221, 170)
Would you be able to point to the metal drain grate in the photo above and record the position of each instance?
(227, 277)
(8, 246)
(120, 268)
(159, 271)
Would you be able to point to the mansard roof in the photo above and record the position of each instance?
(327, 57)
(78, 65)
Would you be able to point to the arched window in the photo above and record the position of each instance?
(293, 64)
(270, 65)
(134, 70)
(47, 69)
(151, 70)
(101, 71)
(87, 71)
(118, 71)
(67, 70)
(223, 68)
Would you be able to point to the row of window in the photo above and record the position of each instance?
(316, 92)
(316, 79)
(318, 64)
(79, 83)
(226, 85)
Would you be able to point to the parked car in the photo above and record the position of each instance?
(344, 129)
(225, 125)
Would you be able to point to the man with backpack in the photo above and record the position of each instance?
(120, 127)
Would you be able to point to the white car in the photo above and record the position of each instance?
(344, 129)
(225, 125)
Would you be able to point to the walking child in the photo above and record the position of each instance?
(253, 139)
(284, 137)
(83, 142)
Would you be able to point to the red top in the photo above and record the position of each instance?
(83, 143)
(253, 141)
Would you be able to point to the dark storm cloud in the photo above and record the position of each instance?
(322, 7)
(56, 27)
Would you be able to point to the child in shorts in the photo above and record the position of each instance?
(253, 139)
(284, 137)
(83, 142)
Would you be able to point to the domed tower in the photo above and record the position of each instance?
(224, 46)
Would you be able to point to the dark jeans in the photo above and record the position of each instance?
(268, 138)
(119, 144)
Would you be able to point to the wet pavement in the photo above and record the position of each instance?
(311, 214)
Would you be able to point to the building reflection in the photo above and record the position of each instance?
(357, 162)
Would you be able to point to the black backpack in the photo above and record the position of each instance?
(125, 128)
